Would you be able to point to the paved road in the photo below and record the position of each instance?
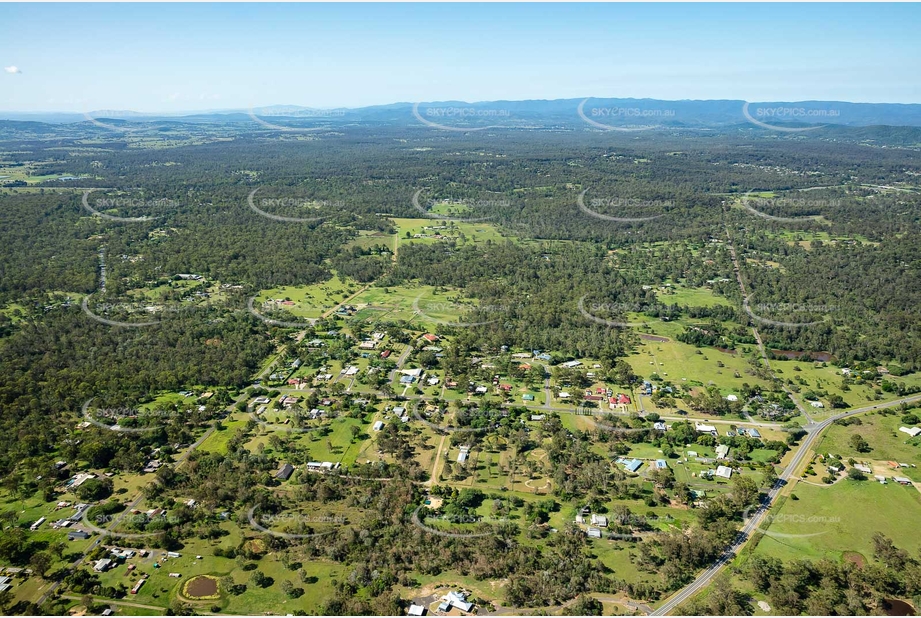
(814, 431)
(400, 361)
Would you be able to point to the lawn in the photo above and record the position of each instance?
(460, 231)
(882, 434)
(217, 441)
(310, 301)
(826, 379)
(425, 307)
(691, 297)
(843, 518)
(686, 365)
(336, 446)
(160, 588)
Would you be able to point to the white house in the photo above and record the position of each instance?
(102, 565)
(702, 428)
(458, 600)
(723, 471)
(913, 431)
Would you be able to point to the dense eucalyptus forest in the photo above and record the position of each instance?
(836, 236)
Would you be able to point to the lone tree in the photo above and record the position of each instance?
(859, 444)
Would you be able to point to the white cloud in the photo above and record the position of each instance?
(12, 70)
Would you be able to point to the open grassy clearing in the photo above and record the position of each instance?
(460, 231)
(367, 239)
(690, 297)
(308, 301)
(886, 442)
(335, 443)
(826, 379)
(808, 239)
(684, 364)
(160, 589)
(30, 172)
(424, 307)
(217, 441)
(843, 518)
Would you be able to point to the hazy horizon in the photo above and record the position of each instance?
(174, 58)
(219, 110)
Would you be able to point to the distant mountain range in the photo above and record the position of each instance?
(630, 114)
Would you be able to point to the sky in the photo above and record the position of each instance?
(183, 57)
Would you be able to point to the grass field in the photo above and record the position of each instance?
(806, 239)
(425, 307)
(460, 231)
(336, 446)
(367, 239)
(30, 172)
(691, 297)
(886, 442)
(217, 441)
(842, 518)
(826, 379)
(310, 301)
(160, 588)
(685, 365)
